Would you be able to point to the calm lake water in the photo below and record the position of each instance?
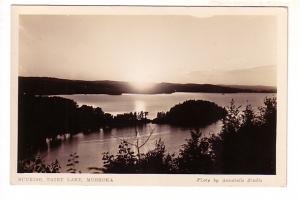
(90, 147)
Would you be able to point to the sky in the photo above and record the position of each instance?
(221, 49)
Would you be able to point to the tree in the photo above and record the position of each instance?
(248, 141)
(232, 120)
(195, 156)
(248, 116)
(126, 161)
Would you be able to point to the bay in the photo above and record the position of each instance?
(90, 147)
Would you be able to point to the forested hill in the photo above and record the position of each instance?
(54, 86)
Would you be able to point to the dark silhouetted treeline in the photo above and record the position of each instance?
(248, 141)
(192, 113)
(130, 119)
(47, 117)
(54, 86)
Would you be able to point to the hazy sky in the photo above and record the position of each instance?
(217, 49)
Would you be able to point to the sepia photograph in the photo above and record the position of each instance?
(139, 92)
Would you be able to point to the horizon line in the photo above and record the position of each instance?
(274, 86)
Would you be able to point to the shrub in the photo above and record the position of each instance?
(196, 156)
(73, 161)
(37, 165)
(157, 160)
(126, 161)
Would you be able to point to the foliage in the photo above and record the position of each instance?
(231, 122)
(157, 160)
(50, 117)
(196, 156)
(248, 140)
(37, 165)
(195, 113)
(126, 161)
(130, 119)
(73, 161)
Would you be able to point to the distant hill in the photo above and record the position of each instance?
(260, 75)
(55, 86)
(257, 88)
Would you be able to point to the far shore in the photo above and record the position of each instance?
(55, 86)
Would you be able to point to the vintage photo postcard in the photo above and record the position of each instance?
(149, 95)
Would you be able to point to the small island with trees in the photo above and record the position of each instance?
(192, 113)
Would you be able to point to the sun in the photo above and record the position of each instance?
(141, 79)
(142, 85)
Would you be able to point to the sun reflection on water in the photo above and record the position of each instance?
(139, 106)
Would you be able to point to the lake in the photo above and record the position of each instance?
(90, 146)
